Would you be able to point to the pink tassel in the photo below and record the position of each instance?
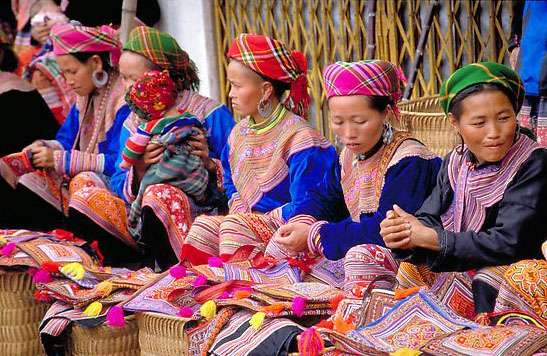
(310, 343)
(199, 281)
(185, 312)
(298, 306)
(177, 272)
(8, 249)
(215, 262)
(115, 317)
(41, 276)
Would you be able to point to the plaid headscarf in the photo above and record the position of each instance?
(479, 73)
(152, 95)
(164, 51)
(369, 78)
(272, 59)
(71, 38)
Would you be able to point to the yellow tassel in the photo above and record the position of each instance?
(3, 240)
(208, 310)
(405, 351)
(257, 320)
(93, 309)
(74, 270)
(104, 289)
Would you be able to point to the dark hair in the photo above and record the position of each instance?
(379, 103)
(278, 86)
(456, 104)
(8, 58)
(83, 57)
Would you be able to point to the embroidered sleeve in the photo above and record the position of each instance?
(236, 205)
(74, 162)
(314, 239)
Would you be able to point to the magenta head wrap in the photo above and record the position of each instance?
(70, 38)
(368, 78)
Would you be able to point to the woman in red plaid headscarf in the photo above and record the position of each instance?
(273, 156)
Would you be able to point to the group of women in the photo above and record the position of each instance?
(385, 204)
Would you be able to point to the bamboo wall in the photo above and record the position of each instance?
(462, 31)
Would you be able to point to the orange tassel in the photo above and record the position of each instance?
(325, 324)
(403, 293)
(242, 294)
(342, 326)
(274, 309)
(334, 302)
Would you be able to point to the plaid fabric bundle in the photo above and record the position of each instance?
(369, 78)
(272, 59)
(163, 50)
(478, 73)
(178, 168)
(70, 38)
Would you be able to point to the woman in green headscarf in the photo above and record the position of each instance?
(490, 203)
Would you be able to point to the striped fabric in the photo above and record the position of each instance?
(272, 59)
(69, 38)
(364, 263)
(477, 73)
(369, 78)
(164, 51)
(476, 189)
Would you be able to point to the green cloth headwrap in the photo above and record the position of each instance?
(164, 51)
(478, 73)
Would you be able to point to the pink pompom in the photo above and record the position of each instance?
(8, 249)
(115, 317)
(41, 276)
(185, 312)
(298, 306)
(177, 272)
(225, 295)
(310, 343)
(215, 262)
(199, 281)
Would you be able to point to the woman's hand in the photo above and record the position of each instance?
(40, 32)
(152, 154)
(293, 237)
(200, 148)
(34, 145)
(544, 249)
(513, 56)
(401, 230)
(42, 157)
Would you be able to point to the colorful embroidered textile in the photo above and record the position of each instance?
(281, 273)
(152, 95)
(477, 73)
(368, 78)
(164, 51)
(364, 263)
(499, 340)
(15, 165)
(515, 318)
(313, 292)
(69, 38)
(454, 291)
(43, 250)
(525, 288)
(329, 272)
(476, 189)
(272, 59)
(238, 337)
(410, 323)
(201, 337)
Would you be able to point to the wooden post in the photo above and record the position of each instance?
(420, 49)
(129, 12)
(370, 21)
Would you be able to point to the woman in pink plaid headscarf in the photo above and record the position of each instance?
(378, 167)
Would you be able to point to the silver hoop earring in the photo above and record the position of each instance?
(99, 78)
(265, 108)
(387, 135)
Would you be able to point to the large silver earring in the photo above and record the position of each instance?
(387, 135)
(265, 108)
(99, 78)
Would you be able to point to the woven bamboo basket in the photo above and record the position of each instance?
(105, 341)
(426, 121)
(20, 316)
(161, 334)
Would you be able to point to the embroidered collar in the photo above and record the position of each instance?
(270, 122)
